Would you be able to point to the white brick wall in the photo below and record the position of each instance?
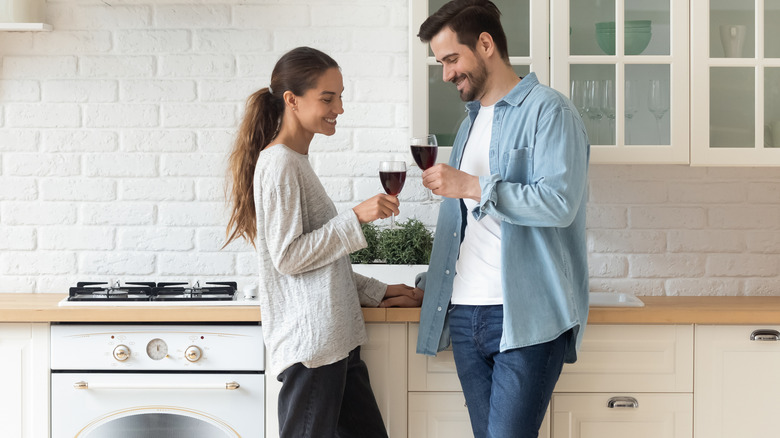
(115, 129)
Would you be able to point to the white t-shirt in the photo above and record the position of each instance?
(478, 269)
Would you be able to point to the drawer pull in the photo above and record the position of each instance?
(623, 402)
(765, 335)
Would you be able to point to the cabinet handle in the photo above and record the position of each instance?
(622, 402)
(765, 335)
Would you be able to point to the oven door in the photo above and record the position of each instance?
(135, 405)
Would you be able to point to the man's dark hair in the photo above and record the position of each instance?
(468, 19)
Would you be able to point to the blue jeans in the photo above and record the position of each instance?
(331, 401)
(507, 393)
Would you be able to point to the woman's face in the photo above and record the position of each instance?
(318, 108)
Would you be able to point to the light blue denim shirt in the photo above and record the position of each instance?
(537, 187)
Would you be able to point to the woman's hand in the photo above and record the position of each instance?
(380, 206)
(401, 295)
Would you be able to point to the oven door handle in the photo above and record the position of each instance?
(85, 385)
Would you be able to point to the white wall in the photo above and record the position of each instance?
(115, 127)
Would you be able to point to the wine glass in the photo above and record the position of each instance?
(424, 150)
(392, 174)
(658, 102)
(578, 96)
(593, 105)
(632, 105)
(608, 106)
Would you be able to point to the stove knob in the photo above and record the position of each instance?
(193, 353)
(121, 353)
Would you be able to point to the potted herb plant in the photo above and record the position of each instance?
(394, 255)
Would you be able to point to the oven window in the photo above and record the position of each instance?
(156, 425)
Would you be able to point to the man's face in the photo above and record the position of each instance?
(461, 66)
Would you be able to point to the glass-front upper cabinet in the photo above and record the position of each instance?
(435, 107)
(624, 64)
(735, 68)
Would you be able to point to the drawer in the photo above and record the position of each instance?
(632, 358)
(593, 416)
(428, 373)
(444, 415)
(635, 358)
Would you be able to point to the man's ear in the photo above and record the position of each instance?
(485, 44)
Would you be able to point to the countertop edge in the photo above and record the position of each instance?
(42, 307)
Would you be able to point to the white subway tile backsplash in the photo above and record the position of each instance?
(115, 129)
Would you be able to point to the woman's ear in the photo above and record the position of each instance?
(290, 99)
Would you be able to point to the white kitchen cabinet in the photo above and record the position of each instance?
(627, 415)
(624, 64)
(735, 86)
(436, 404)
(737, 388)
(444, 415)
(24, 379)
(652, 363)
(635, 358)
(385, 356)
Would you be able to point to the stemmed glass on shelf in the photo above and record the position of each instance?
(593, 97)
(632, 105)
(392, 174)
(608, 106)
(658, 102)
(424, 150)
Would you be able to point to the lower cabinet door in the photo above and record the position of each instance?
(737, 390)
(444, 415)
(622, 415)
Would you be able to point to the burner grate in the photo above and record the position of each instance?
(150, 291)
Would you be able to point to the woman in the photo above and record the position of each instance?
(309, 296)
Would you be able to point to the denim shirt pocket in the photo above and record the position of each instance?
(519, 165)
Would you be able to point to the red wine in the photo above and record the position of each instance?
(392, 182)
(425, 156)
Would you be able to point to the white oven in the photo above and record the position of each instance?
(157, 381)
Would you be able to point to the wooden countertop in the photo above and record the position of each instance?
(26, 307)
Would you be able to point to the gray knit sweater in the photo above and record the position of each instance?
(310, 299)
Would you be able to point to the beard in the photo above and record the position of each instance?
(476, 82)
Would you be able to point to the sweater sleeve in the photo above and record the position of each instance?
(370, 290)
(292, 251)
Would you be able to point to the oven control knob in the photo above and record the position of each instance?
(121, 353)
(193, 353)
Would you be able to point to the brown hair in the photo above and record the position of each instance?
(297, 71)
(468, 19)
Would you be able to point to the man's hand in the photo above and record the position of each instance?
(450, 182)
(401, 295)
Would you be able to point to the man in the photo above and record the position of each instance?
(508, 277)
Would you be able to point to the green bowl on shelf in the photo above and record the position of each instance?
(637, 36)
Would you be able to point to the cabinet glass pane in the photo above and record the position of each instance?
(732, 29)
(647, 110)
(771, 29)
(584, 39)
(647, 27)
(515, 20)
(446, 111)
(592, 90)
(772, 107)
(732, 107)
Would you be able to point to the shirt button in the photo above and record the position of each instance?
(454, 234)
(439, 309)
(447, 272)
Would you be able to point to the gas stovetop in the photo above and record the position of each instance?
(158, 294)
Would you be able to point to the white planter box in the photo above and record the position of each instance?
(390, 274)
